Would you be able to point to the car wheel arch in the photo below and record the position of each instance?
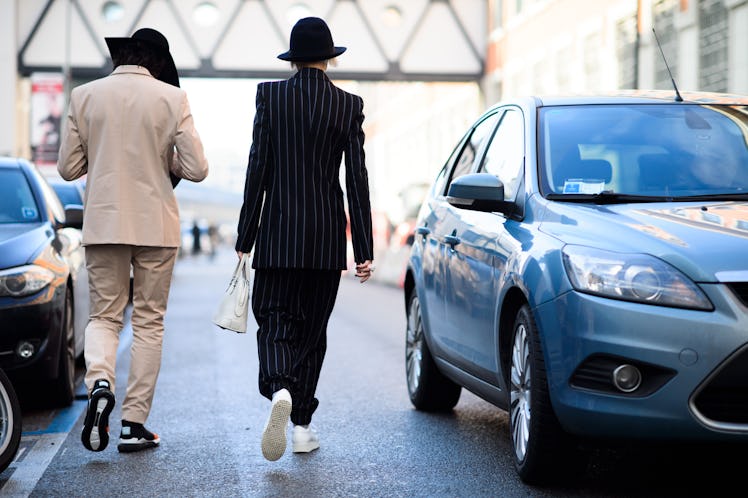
(409, 284)
(513, 300)
(62, 388)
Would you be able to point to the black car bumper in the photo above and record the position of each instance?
(36, 320)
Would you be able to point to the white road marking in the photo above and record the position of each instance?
(33, 463)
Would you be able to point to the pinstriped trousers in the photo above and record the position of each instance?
(292, 308)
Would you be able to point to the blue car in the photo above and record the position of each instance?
(582, 263)
(69, 193)
(44, 296)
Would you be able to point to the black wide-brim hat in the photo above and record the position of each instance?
(311, 41)
(154, 40)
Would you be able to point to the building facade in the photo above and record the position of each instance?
(574, 46)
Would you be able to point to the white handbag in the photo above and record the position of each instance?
(234, 307)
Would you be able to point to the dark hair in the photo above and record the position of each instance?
(138, 53)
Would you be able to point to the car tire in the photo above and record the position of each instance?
(428, 388)
(63, 387)
(10, 429)
(543, 451)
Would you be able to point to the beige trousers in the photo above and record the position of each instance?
(109, 283)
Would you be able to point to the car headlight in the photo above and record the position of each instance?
(631, 277)
(24, 280)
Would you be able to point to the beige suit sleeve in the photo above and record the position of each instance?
(189, 160)
(72, 162)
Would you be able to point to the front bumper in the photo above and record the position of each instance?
(692, 363)
(36, 319)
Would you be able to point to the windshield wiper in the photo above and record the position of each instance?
(743, 196)
(608, 197)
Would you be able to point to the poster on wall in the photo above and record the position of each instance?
(47, 102)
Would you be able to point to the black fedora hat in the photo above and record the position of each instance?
(154, 40)
(311, 41)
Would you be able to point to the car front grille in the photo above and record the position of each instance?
(740, 289)
(722, 401)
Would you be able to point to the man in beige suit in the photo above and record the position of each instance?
(133, 135)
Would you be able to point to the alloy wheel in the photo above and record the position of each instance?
(520, 392)
(6, 419)
(62, 389)
(414, 345)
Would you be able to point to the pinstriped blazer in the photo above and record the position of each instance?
(294, 209)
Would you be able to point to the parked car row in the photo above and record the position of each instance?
(43, 283)
(581, 263)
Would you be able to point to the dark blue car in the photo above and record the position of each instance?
(582, 263)
(43, 284)
(69, 193)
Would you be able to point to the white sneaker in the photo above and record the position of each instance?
(304, 439)
(274, 433)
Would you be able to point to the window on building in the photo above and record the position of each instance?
(592, 44)
(713, 39)
(497, 7)
(626, 52)
(564, 68)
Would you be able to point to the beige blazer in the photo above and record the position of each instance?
(122, 131)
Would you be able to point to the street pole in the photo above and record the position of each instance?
(66, 76)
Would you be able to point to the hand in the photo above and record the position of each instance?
(239, 254)
(364, 270)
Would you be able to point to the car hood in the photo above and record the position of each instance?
(20, 242)
(700, 239)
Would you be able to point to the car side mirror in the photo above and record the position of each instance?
(479, 192)
(74, 216)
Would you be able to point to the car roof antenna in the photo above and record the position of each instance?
(678, 98)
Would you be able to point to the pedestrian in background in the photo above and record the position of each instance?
(294, 217)
(213, 240)
(196, 245)
(134, 137)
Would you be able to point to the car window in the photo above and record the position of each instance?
(441, 178)
(438, 188)
(468, 156)
(68, 194)
(56, 211)
(17, 203)
(505, 154)
(650, 149)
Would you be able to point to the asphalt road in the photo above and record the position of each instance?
(373, 443)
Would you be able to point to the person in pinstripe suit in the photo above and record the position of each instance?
(294, 217)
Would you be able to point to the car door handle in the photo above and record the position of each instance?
(423, 231)
(451, 240)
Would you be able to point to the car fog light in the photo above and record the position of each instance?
(627, 378)
(25, 350)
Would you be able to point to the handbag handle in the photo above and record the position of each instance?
(241, 266)
(240, 274)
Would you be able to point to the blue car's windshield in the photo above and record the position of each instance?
(17, 204)
(68, 194)
(660, 150)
